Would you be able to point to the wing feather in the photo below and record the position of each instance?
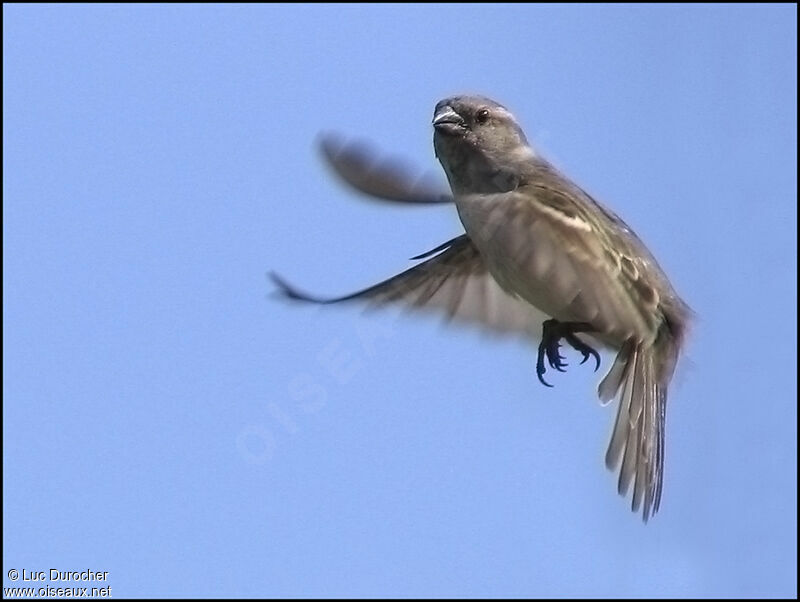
(455, 282)
(360, 166)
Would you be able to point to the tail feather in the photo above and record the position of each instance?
(616, 378)
(640, 377)
(659, 465)
(645, 443)
(612, 381)
(633, 388)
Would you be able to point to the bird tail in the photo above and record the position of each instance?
(640, 377)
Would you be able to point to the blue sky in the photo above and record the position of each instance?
(168, 421)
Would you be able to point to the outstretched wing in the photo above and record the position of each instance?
(455, 282)
(387, 178)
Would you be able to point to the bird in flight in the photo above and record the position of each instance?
(540, 257)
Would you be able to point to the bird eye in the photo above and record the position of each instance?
(482, 116)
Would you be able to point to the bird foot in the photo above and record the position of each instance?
(552, 333)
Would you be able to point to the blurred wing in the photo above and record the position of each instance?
(360, 166)
(455, 282)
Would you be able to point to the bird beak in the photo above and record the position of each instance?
(447, 121)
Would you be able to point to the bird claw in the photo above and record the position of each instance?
(540, 367)
(540, 374)
(552, 333)
(585, 350)
(556, 361)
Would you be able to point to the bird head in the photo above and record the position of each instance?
(475, 137)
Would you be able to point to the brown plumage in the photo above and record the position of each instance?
(537, 249)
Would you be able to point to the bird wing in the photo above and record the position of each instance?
(454, 281)
(360, 166)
